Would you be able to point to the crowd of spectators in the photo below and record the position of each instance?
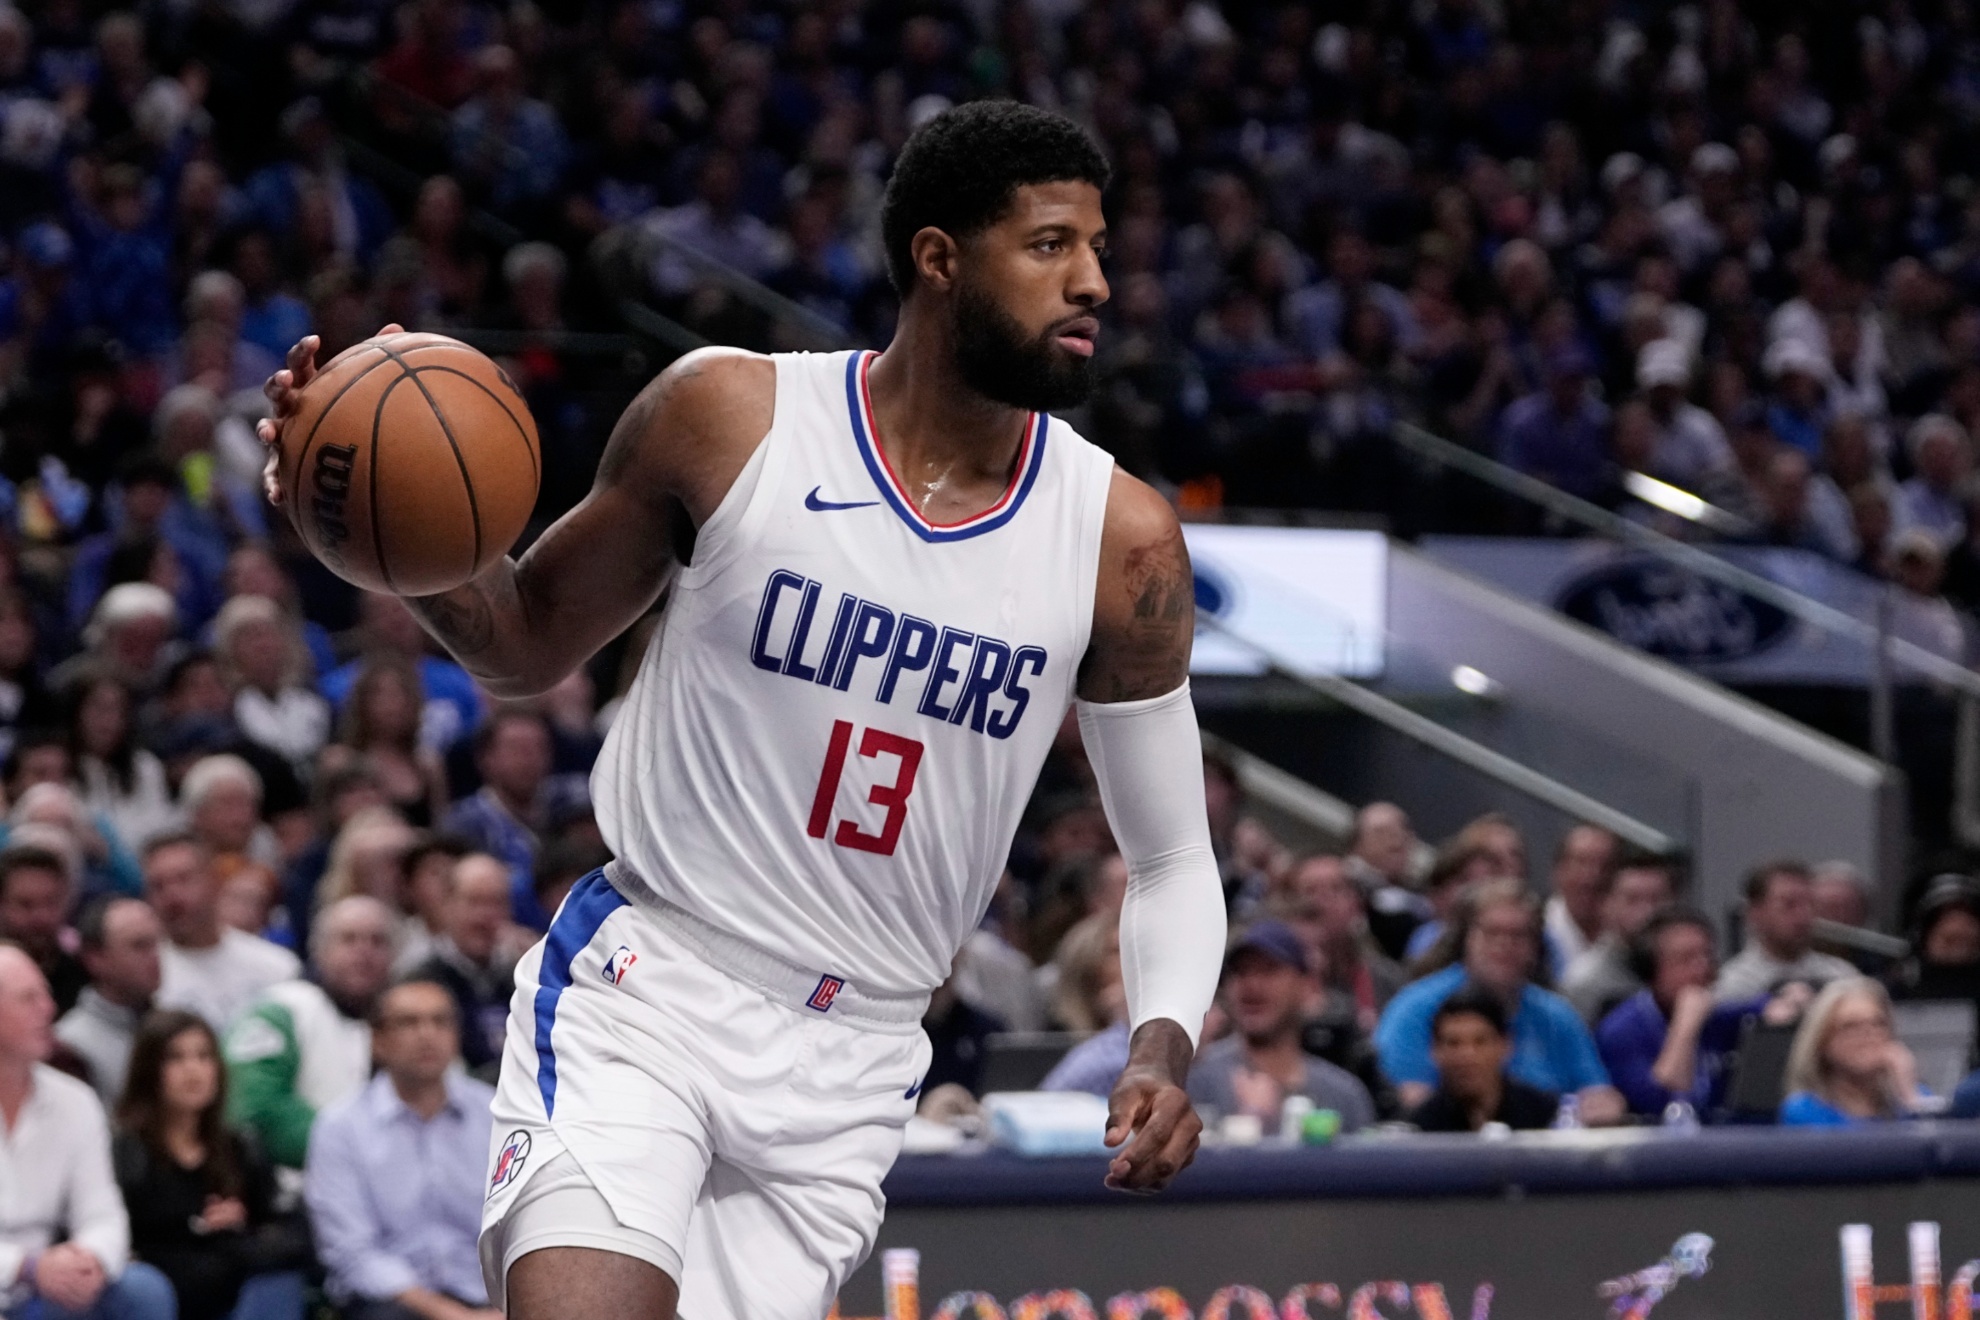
(290, 1007)
(1732, 247)
(1604, 1003)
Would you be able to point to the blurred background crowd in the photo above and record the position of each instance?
(269, 857)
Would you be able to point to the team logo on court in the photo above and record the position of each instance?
(619, 964)
(510, 1161)
(828, 990)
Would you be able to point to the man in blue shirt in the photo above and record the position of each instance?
(1673, 1040)
(394, 1177)
(1093, 1065)
(1500, 943)
(1561, 433)
(519, 804)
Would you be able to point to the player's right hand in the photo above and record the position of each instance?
(1150, 1118)
(284, 390)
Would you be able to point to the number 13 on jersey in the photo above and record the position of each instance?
(874, 743)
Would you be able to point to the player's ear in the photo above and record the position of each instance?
(935, 257)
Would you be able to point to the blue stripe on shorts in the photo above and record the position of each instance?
(590, 903)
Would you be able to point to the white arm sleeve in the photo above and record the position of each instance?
(1149, 761)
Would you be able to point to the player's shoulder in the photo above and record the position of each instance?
(694, 426)
(717, 378)
(1137, 514)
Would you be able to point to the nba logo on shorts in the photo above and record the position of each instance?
(510, 1161)
(828, 990)
(619, 964)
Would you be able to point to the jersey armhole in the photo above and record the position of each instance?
(734, 523)
(1093, 525)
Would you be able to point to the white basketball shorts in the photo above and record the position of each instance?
(698, 1104)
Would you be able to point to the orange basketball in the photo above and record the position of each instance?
(411, 464)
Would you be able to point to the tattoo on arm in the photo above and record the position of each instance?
(623, 446)
(1163, 1044)
(1145, 652)
(1158, 578)
(626, 436)
(461, 619)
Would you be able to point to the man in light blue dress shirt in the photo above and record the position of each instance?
(394, 1176)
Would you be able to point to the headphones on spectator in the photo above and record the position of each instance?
(1641, 956)
(1951, 890)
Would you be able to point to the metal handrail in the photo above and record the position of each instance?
(1858, 938)
(1473, 755)
(1702, 562)
(573, 343)
(751, 291)
(663, 328)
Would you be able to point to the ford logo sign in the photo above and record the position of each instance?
(1673, 613)
(1213, 593)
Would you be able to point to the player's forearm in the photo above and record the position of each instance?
(1147, 758)
(1162, 1045)
(524, 624)
(485, 625)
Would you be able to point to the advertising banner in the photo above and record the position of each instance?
(1789, 1253)
(1671, 612)
(1315, 596)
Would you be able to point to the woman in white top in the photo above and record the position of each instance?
(265, 659)
(121, 781)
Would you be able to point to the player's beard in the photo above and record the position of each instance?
(999, 361)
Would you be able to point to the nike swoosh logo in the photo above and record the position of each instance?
(914, 1090)
(817, 505)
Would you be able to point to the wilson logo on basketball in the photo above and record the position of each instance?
(332, 479)
(415, 465)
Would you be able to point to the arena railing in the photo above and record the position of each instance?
(1602, 522)
(1890, 653)
(1473, 755)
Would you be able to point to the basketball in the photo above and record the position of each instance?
(411, 464)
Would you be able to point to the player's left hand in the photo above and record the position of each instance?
(1151, 1113)
(284, 390)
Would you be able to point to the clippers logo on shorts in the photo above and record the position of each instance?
(510, 1161)
(827, 991)
(619, 964)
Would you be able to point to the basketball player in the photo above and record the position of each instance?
(905, 570)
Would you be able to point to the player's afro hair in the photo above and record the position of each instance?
(961, 169)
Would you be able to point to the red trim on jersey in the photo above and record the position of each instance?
(873, 431)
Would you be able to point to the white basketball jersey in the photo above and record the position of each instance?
(831, 740)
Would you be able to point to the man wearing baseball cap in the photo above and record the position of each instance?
(1691, 445)
(1267, 983)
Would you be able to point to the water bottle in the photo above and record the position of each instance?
(1292, 1118)
(1568, 1117)
(1679, 1116)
